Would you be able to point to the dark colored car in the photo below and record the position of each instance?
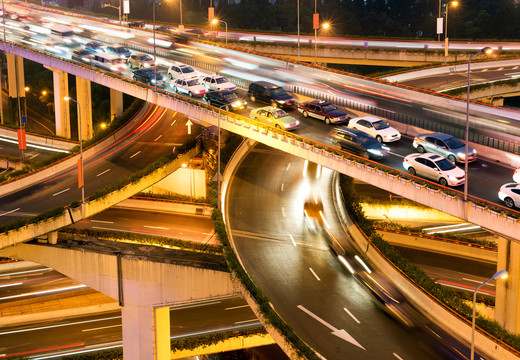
(146, 75)
(82, 55)
(166, 29)
(323, 110)
(269, 93)
(95, 46)
(137, 24)
(119, 50)
(226, 99)
(359, 143)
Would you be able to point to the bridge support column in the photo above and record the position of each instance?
(146, 332)
(85, 110)
(116, 103)
(507, 301)
(16, 81)
(61, 107)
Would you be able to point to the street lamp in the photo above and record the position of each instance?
(218, 157)
(298, 25)
(454, 4)
(114, 7)
(486, 50)
(325, 26)
(501, 274)
(81, 179)
(216, 21)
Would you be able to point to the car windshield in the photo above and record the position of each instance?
(278, 91)
(380, 125)
(83, 52)
(329, 107)
(279, 114)
(187, 70)
(453, 143)
(445, 164)
(146, 58)
(149, 72)
(193, 82)
(221, 80)
(230, 96)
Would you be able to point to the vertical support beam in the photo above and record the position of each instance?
(52, 237)
(116, 103)
(146, 332)
(16, 84)
(61, 107)
(507, 301)
(84, 97)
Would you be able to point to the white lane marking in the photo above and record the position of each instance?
(8, 212)
(195, 305)
(477, 281)
(484, 70)
(245, 321)
(283, 211)
(104, 228)
(59, 325)
(288, 166)
(43, 292)
(342, 334)
(173, 122)
(13, 284)
(61, 192)
(397, 356)
(500, 69)
(396, 154)
(313, 273)
(352, 316)
(32, 157)
(102, 221)
(104, 172)
(292, 239)
(282, 187)
(102, 328)
(321, 357)
(156, 227)
(137, 153)
(158, 137)
(236, 307)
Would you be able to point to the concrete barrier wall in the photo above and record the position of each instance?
(166, 206)
(52, 142)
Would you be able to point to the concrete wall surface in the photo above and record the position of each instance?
(47, 141)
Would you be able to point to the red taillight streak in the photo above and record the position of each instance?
(465, 286)
(27, 280)
(114, 144)
(42, 350)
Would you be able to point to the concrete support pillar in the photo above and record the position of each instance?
(16, 84)
(146, 332)
(507, 302)
(61, 107)
(52, 237)
(116, 103)
(85, 109)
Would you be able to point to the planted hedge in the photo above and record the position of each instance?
(193, 342)
(445, 295)
(52, 213)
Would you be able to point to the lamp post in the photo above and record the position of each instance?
(501, 274)
(216, 21)
(218, 156)
(298, 25)
(454, 4)
(154, 48)
(114, 7)
(486, 50)
(324, 26)
(81, 178)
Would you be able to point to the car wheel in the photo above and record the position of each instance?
(452, 158)
(171, 77)
(327, 121)
(305, 114)
(379, 138)
(412, 171)
(252, 98)
(175, 89)
(190, 94)
(420, 149)
(257, 120)
(509, 202)
(278, 126)
(365, 155)
(443, 182)
(134, 78)
(130, 65)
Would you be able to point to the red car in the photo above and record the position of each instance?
(323, 110)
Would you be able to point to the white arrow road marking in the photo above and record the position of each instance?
(188, 124)
(342, 334)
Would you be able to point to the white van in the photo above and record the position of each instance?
(108, 62)
(62, 33)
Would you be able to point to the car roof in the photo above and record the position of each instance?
(367, 118)
(266, 84)
(139, 54)
(441, 136)
(320, 102)
(431, 156)
(356, 132)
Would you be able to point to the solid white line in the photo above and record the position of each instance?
(102, 221)
(282, 187)
(32, 157)
(321, 357)
(397, 356)
(104, 172)
(352, 316)
(288, 166)
(395, 154)
(14, 284)
(103, 228)
(173, 122)
(156, 227)
(236, 307)
(137, 153)
(61, 192)
(477, 281)
(245, 321)
(59, 325)
(158, 137)
(195, 305)
(8, 212)
(102, 328)
(313, 273)
(294, 243)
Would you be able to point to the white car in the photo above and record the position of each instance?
(375, 127)
(510, 194)
(182, 71)
(218, 82)
(435, 167)
(516, 175)
(192, 87)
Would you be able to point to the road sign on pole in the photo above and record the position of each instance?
(22, 145)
